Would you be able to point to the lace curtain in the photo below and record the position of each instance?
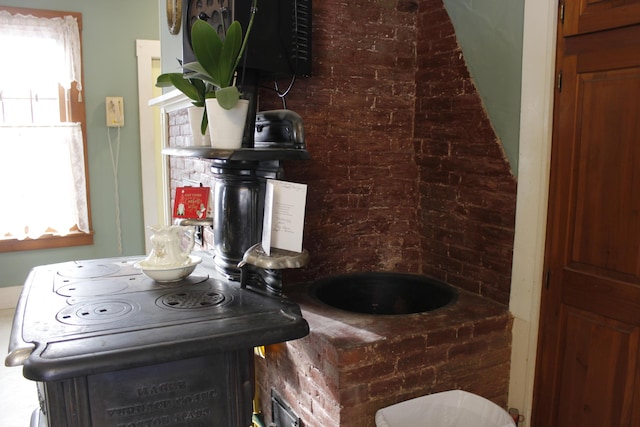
(51, 193)
(65, 33)
(42, 167)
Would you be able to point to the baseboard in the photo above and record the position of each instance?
(9, 297)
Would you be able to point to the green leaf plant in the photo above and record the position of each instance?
(194, 89)
(213, 73)
(217, 60)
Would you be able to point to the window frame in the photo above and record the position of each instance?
(77, 113)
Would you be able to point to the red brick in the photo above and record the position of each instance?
(406, 174)
(493, 325)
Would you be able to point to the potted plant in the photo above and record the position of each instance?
(217, 60)
(216, 64)
(211, 81)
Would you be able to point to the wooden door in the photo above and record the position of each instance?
(588, 365)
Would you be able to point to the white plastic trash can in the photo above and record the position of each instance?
(455, 408)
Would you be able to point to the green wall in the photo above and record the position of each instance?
(490, 35)
(110, 29)
(170, 46)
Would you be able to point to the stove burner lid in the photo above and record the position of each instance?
(114, 285)
(92, 313)
(88, 269)
(188, 300)
(98, 316)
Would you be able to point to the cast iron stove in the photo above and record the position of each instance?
(108, 346)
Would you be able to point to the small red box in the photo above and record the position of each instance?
(192, 202)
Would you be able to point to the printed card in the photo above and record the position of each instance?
(284, 209)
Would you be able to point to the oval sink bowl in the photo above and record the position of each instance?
(383, 293)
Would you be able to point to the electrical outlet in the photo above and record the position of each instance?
(115, 111)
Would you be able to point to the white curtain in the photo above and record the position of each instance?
(52, 192)
(42, 167)
(65, 33)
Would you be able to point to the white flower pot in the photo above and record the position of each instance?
(195, 120)
(227, 126)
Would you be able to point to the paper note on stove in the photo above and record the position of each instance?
(284, 206)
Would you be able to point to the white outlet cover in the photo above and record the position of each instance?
(114, 106)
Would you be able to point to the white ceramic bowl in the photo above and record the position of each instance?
(171, 273)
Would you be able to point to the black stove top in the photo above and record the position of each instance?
(87, 317)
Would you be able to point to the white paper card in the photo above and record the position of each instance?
(284, 207)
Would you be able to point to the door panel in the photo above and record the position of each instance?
(604, 50)
(606, 229)
(591, 344)
(584, 16)
(588, 354)
(594, 291)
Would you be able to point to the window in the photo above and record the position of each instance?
(43, 176)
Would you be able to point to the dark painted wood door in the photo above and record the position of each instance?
(588, 364)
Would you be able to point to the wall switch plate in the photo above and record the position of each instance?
(115, 111)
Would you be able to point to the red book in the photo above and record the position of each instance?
(192, 202)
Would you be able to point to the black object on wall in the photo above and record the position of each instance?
(280, 42)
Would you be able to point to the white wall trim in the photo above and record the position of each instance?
(536, 125)
(171, 101)
(168, 102)
(146, 52)
(9, 297)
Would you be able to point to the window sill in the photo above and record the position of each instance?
(46, 242)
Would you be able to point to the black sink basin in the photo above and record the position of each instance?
(383, 293)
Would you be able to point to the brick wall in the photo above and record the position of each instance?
(406, 174)
(362, 211)
(349, 366)
(184, 169)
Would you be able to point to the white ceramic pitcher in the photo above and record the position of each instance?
(167, 248)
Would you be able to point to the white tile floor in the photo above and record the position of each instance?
(18, 396)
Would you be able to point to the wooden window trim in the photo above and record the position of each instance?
(77, 113)
(47, 241)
